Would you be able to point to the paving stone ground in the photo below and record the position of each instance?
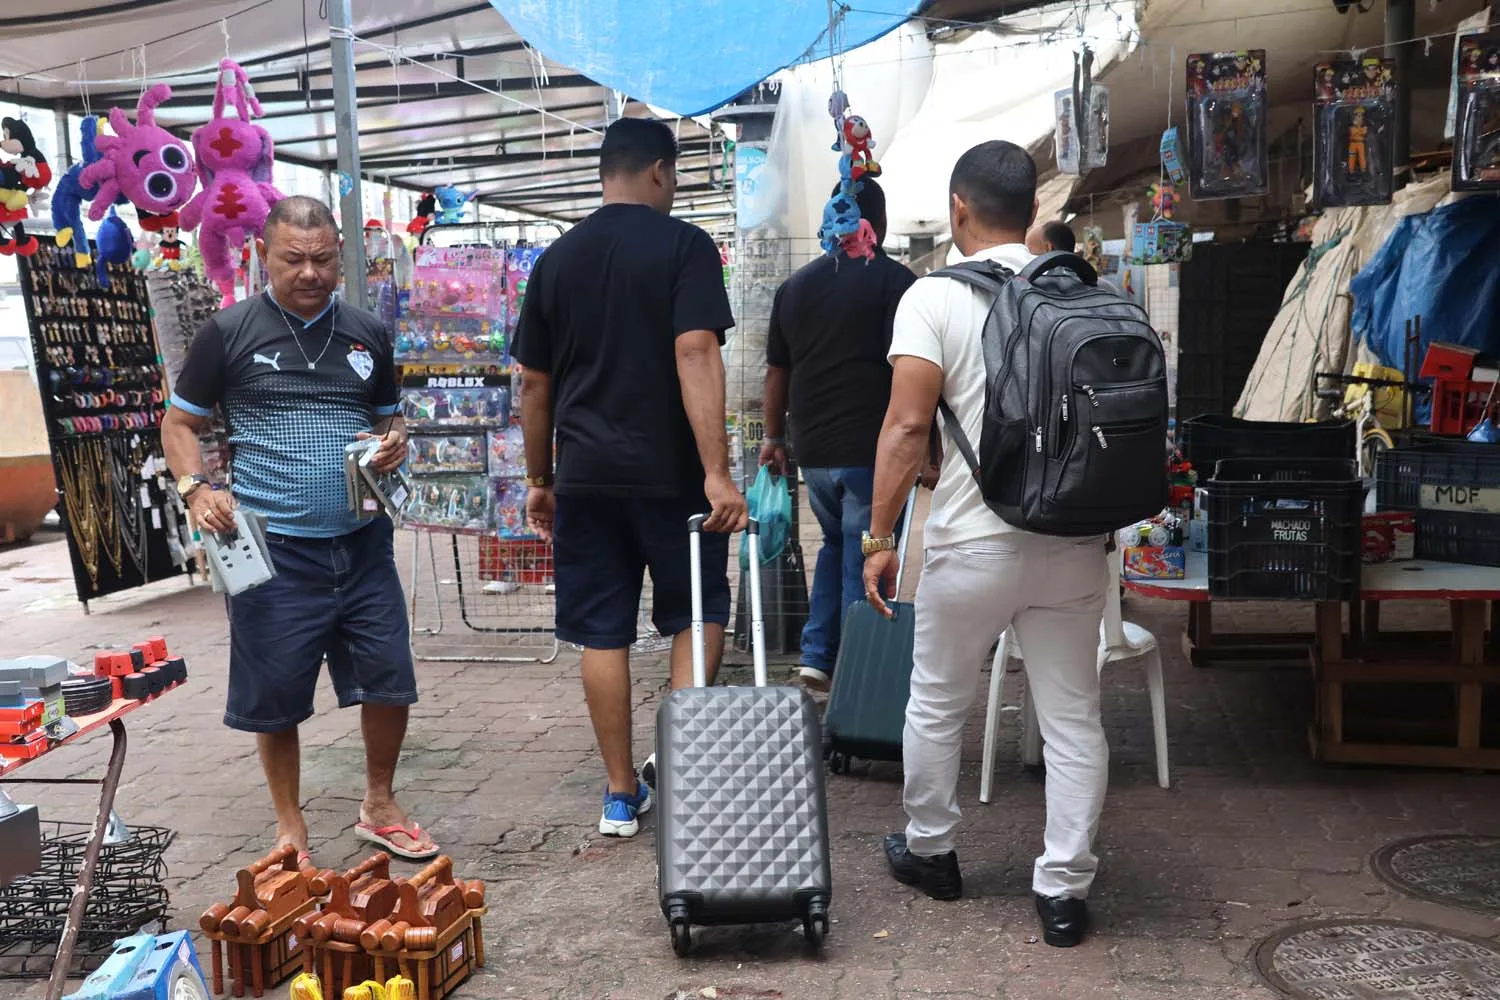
(500, 767)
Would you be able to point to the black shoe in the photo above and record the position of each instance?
(1063, 920)
(938, 877)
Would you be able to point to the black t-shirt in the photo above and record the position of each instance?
(831, 327)
(294, 393)
(603, 311)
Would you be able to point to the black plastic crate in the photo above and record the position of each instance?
(1205, 440)
(1285, 529)
(1454, 489)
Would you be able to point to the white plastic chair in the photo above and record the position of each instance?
(1118, 641)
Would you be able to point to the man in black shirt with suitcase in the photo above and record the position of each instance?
(826, 366)
(619, 342)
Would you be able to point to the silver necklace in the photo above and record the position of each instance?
(333, 322)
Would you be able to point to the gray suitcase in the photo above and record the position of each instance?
(742, 828)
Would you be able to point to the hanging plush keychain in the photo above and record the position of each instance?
(1352, 143)
(1476, 138)
(1226, 103)
(142, 161)
(843, 228)
(235, 160)
(22, 178)
(426, 209)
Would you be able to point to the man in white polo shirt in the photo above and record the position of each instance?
(981, 575)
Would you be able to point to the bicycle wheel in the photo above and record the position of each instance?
(1374, 441)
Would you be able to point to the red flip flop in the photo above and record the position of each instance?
(382, 836)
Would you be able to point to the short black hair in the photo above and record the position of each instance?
(1059, 236)
(632, 145)
(997, 180)
(871, 201)
(300, 212)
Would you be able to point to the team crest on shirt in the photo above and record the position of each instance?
(361, 362)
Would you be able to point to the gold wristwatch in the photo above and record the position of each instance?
(869, 544)
(540, 482)
(187, 484)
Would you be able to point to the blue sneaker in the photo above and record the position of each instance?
(622, 811)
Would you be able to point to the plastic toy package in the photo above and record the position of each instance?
(519, 262)
(457, 407)
(1353, 142)
(450, 339)
(450, 502)
(507, 452)
(510, 510)
(1161, 242)
(1476, 139)
(1086, 146)
(446, 453)
(1226, 105)
(459, 281)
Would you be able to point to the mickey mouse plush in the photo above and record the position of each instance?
(20, 179)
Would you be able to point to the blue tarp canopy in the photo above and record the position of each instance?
(1440, 266)
(691, 56)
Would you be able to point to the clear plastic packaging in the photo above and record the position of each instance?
(1476, 139)
(1227, 111)
(1353, 143)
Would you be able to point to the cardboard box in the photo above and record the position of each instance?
(1154, 562)
(1389, 537)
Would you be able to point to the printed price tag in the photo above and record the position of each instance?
(456, 953)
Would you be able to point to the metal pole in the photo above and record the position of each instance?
(1400, 25)
(74, 921)
(346, 125)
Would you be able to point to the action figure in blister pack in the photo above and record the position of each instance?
(1476, 140)
(1227, 124)
(1353, 144)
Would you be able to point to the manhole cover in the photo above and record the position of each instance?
(1378, 960)
(1445, 868)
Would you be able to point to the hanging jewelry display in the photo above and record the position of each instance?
(103, 397)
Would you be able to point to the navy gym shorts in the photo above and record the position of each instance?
(602, 546)
(334, 597)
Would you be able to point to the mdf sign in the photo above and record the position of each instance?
(1465, 499)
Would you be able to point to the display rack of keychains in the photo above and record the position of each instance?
(103, 397)
(460, 393)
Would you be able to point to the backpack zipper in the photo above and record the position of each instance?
(1099, 433)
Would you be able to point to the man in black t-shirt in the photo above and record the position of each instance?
(619, 344)
(826, 363)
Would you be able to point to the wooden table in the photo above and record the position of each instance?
(114, 718)
(1365, 655)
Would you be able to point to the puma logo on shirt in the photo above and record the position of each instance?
(274, 360)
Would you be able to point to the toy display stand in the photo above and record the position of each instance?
(256, 932)
(113, 717)
(492, 578)
(433, 936)
(331, 936)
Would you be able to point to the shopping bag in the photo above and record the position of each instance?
(770, 503)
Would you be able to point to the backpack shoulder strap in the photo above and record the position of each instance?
(979, 274)
(960, 439)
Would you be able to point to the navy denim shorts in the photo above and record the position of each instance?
(338, 598)
(601, 549)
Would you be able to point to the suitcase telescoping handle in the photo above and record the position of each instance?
(757, 619)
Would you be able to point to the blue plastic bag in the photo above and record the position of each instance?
(770, 503)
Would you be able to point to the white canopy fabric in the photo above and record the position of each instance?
(423, 118)
(995, 84)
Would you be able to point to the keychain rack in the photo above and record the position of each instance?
(103, 397)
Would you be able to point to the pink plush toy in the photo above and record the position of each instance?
(235, 166)
(144, 162)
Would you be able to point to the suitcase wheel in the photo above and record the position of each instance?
(838, 762)
(815, 925)
(681, 928)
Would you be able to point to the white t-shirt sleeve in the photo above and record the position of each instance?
(918, 331)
